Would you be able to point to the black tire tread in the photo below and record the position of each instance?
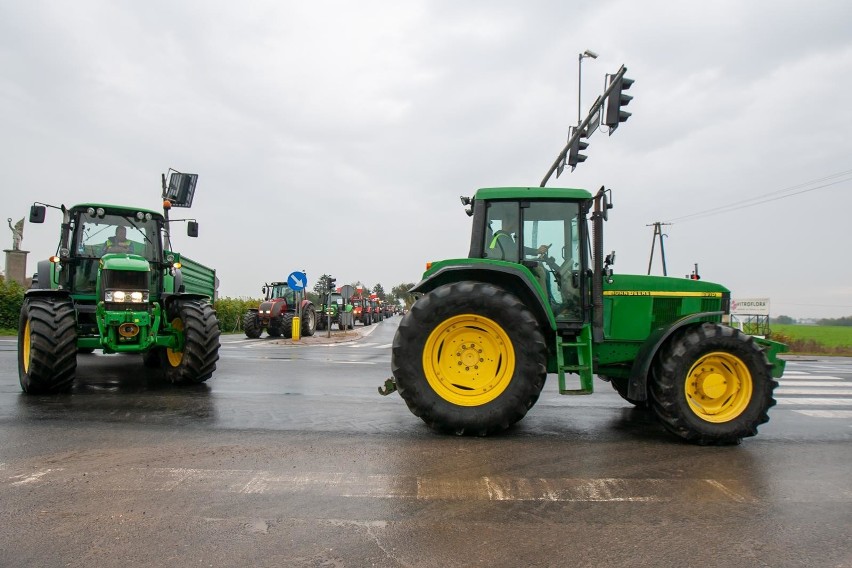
(251, 325)
(475, 298)
(669, 372)
(53, 345)
(201, 343)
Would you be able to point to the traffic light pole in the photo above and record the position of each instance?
(581, 129)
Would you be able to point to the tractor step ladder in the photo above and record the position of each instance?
(583, 348)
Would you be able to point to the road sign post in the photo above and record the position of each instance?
(297, 282)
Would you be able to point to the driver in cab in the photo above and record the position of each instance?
(119, 243)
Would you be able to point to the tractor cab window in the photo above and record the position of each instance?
(501, 231)
(552, 247)
(96, 235)
(283, 291)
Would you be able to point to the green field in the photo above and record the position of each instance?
(826, 339)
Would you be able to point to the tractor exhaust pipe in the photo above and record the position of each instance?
(598, 217)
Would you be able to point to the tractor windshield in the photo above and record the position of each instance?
(94, 235)
(281, 290)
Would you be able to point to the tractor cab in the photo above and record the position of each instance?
(546, 233)
(280, 291)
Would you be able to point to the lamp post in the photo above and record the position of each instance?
(593, 55)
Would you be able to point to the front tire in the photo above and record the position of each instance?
(251, 325)
(469, 359)
(196, 360)
(712, 384)
(47, 345)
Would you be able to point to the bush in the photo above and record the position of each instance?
(230, 312)
(11, 300)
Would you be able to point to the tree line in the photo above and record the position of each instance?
(787, 320)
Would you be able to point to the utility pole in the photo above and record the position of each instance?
(658, 233)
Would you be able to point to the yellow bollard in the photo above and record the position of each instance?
(297, 328)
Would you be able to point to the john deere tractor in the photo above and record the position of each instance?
(275, 314)
(537, 295)
(114, 285)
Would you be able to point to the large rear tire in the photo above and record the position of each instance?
(712, 384)
(196, 361)
(47, 345)
(309, 321)
(251, 325)
(469, 359)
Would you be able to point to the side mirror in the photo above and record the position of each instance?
(192, 228)
(263, 290)
(37, 213)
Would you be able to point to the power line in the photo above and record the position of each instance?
(771, 196)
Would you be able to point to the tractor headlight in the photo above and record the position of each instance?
(126, 296)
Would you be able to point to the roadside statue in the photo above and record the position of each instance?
(17, 233)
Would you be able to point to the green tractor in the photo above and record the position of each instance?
(114, 285)
(538, 296)
(328, 313)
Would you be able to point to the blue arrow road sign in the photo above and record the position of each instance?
(297, 280)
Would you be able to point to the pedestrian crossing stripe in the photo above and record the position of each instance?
(815, 401)
(847, 414)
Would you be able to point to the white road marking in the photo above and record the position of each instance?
(815, 401)
(783, 390)
(32, 477)
(384, 486)
(834, 384)
(847, 414)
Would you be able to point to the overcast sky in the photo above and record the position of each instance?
(336, 137)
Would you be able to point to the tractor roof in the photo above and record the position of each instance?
(117, 209)
(488, 193)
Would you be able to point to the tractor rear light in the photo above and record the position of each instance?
(54, 259)
(428, 265)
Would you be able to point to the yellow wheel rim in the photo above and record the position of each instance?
(27, 347)
(175, 357)
(719, 387)
(468, 360)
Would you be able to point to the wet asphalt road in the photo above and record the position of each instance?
(289, 457)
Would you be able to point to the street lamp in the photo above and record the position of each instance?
(587, 53)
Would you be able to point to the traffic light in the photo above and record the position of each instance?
(330, 282)
(574, 155)
(615, 101)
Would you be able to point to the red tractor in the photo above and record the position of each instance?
(361, 307)
(376, 310)
(276, 313)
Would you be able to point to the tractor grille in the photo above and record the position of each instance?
(127, 281)
(666, 310)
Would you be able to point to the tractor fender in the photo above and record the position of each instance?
(172, 298)
(637, 388)
(47, 292)
(512, 278)
(43, 275)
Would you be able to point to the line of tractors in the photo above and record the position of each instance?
(281, 305)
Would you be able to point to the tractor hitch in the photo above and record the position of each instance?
(388, 388)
